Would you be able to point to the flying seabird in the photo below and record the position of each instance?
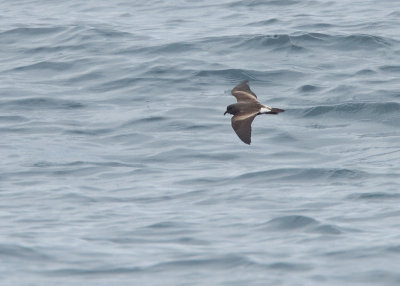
(245, 110)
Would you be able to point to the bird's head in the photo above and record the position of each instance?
(231, 109)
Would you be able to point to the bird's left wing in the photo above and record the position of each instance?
(241, 123)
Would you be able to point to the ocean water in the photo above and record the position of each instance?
(119, 168)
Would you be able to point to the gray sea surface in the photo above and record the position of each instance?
(117, 166)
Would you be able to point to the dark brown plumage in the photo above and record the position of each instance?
(245, 110)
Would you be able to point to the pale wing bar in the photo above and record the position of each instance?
(242, 126)
(242, 92)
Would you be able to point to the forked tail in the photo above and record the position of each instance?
(275, 111)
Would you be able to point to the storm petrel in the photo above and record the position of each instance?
(245, 110)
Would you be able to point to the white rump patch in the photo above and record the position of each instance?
(265, 109)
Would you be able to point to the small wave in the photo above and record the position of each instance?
(95, 271)
(31, 32)
(78, 198)
(52, 66)
(221, 262)
(363, 41)
(13, 118)
(169, 48)
(351, 109)
(232, 74)
(173, 48)
(287, 266)
(395, 249)
(135, 122)
(91, 131)
(345, 42)
(47, 164)
(256, 3)
(390, 68)
(302, 41)
(301, 174)
(374, 196)
(85, 36)
(395, 14)
(85, 77)
(218, 262)
(327, 229)
(308, 88)
(46, 50)
(295, 222)
(264, 22)
(42, 103)
(291, 222)
(45, 65)
(118, 84)
(240, 74)
(26, 253)
(276, 42)
(356, 41)
(108, 32)
(165, 76)
(366, 72)
(315, 26)
(164, 225)
(187, 155)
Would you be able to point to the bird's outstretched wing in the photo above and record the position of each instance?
(242, 92)
(242, 126)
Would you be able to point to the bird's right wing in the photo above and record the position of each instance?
(242, 126)
(242, 92)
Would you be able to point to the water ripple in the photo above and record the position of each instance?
(40, 102)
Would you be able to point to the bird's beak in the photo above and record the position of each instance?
(225, 112)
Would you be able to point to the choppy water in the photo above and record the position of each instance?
(119, 168)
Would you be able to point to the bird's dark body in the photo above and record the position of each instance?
(243, 107)
(245, 110)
